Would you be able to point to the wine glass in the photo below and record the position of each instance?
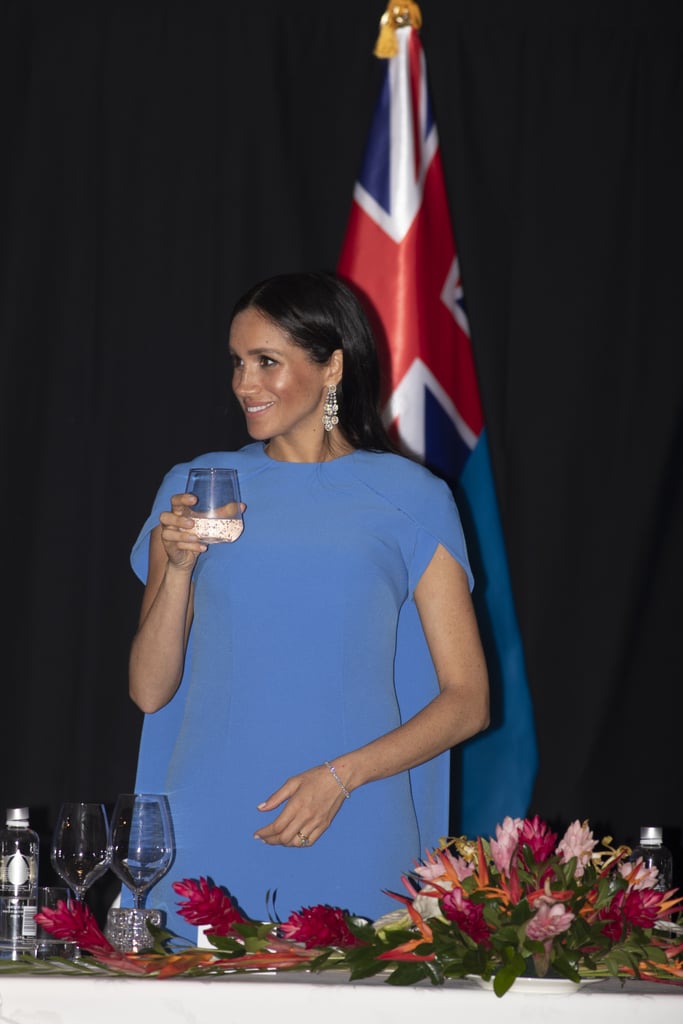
(141, 843)
(80, 850)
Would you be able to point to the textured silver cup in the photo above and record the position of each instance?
(127, 930)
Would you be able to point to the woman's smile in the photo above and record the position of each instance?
(252, 410)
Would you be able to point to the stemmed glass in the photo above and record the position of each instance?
(80, 852)
(141, 843)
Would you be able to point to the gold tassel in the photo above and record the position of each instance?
(397, 15)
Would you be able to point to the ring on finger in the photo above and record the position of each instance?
(303, 838)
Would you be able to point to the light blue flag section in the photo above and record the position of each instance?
(498, 766)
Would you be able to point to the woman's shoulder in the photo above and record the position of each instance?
(397, 469)
(242, 459)
(422, 497)
(400, 478)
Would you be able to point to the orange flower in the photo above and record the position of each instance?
(406, 950)
(178, 963)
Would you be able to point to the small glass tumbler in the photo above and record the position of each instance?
(217, 513)
(126, 928)
(47, 946)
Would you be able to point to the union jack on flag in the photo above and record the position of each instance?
(400, 252)
(399, 249)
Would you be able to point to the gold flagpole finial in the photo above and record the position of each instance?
(397, 15)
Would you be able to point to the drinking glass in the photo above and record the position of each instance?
(80, 853)
(141, 844)
(47, 946)
(217, 513)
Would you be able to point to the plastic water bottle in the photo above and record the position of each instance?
(655, 855)
(19, 846)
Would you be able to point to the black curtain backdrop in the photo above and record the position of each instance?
(159, 157)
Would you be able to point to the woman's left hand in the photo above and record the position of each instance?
(312, 799)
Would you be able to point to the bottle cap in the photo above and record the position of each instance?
(650, 833)
(17, 815)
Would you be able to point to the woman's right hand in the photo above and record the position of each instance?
(181, 545)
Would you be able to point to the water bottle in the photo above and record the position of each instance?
(19, 846)
(655, 855)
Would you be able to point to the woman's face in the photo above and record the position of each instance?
(281, 390)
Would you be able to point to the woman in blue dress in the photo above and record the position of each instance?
(302, 687)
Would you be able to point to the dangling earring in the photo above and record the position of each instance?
(330, 408)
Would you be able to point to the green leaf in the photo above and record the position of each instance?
(368, 969)
(564, 966)
(409, 974)
(656, 954)
(506, 935)
(521, 913)
(513, 967)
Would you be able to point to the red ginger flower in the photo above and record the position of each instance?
(641, 907)
(75, 924)
(321, 925)
(638, 907)
(468, 916)
(207, 904)
(535, 834)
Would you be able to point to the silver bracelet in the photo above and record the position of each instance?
(337, 779)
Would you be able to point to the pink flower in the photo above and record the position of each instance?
(75, 924)
(206, 903)
(435, 869)
(319, 926)
(637, 875)
(468, 916)
(505, 843)
(550, 919)
(577, 842)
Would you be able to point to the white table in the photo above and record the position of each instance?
(324, 999)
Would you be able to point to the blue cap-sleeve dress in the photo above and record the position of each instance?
(306, 644)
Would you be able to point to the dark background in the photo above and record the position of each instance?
(159, 157)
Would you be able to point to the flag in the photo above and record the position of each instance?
(399, 251)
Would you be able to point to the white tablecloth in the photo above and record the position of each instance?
(324, 999)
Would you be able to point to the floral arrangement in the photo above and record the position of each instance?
(519, 903)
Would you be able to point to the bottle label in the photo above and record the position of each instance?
(17, 922)
(28, 924)
(18, 880)
(17, 870)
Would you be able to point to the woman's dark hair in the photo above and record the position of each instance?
(320, 313)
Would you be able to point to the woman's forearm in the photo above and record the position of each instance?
(449, 719)
(158, 649)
